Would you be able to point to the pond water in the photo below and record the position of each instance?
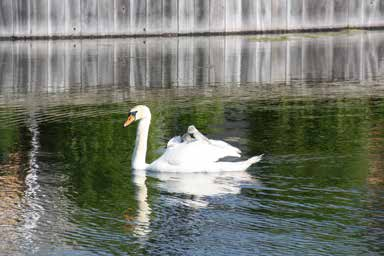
(313, 104)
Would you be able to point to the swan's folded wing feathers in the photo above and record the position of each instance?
(226, 146)
(174, 141)
(193, 153)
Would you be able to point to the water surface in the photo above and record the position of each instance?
(313, 104)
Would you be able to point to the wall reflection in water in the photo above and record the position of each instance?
(58, 66)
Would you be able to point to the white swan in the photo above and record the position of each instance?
(195, 155)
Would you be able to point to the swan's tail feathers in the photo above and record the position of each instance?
(255, 159)
(236, 166)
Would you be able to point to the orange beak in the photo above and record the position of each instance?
(130, 120)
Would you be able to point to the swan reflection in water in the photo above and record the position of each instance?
(197, 186)
(141, 219)
(203, 184)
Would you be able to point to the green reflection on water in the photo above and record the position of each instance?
(310, 146)
(9, 137)
(331, 137)
(96, 150)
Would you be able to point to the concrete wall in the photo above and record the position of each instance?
(74, 66)
(29, 18)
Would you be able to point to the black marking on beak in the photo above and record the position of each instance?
(133, 113)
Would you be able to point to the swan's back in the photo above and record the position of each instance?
(201, 151)
(191, 156)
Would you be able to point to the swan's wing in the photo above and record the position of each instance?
(174, 141)
(196, 153)
(193, 153)
(225, 145)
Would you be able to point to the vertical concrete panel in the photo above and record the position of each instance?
(233, 13)
(370, 65)
(372, 57)
(278, 61)
(73, 64)
(154, 62)
(374, 13)
(294, 60)
(89, 17)
(39, 17)
(340, 13)
(105, 63)
(354, 70)
(340, 58)
(122, 63)
(89, 64)
(379, 41)
(138, 72)
(295, 14)
(155, 17)
(106, 17)
(361, 50)
(217, 59)
(308, 54)
(21, 17)
(201, 14)
(39, 66)
(56, 17)
(317, 14)
(356, 13)
(201, 61)
(217, 16)
(21, 67)
(138, 16)
(248, 61)
(263, 62)
(185, 66)
(6, 18)
(169, 62)
(279, 14)
(317, 59)
(122, 16)
(170, 16)
(366, 62)
(56, 66)
(264, 12)
(6, 65)
(73, 12)
(186, 16)
(232, 60)
(249, 15)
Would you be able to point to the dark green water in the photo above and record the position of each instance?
(318, 191)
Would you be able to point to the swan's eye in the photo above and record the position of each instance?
(133, 113)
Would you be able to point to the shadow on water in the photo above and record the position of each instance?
(312, 105)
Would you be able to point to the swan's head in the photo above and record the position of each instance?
(137, 113)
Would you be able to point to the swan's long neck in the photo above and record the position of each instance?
(140, 151)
